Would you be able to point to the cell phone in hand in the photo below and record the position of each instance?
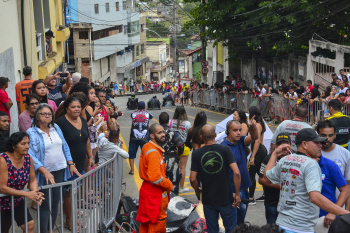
(63, 75)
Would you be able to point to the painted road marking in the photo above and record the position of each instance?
(137, 178)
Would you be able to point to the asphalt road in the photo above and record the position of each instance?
(255, 214)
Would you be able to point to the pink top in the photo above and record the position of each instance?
(53, 105)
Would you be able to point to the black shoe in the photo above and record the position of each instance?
(262, 198)
(252, 202)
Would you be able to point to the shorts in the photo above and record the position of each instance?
(19, 216)
(134, 145)
(187, 151)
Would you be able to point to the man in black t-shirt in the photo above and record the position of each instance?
(4, 130)
(212, 163)
(272, 191)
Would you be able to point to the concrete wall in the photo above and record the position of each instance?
(7, 69)
(123, 60)
(283, 68)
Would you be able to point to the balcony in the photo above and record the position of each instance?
(47, 67)
(62, 34)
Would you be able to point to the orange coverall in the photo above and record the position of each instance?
(154, 192)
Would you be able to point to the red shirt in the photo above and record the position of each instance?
(179, 89)
(4, 98)
(308, 90)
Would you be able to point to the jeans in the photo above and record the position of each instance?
(54, 199)
(211, 214)
(242, 211)
(134, 145)
(271, 214)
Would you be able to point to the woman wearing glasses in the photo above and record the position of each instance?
(52, 160)
(25, 119)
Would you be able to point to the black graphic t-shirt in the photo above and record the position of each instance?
(140, 121)
(212, 163)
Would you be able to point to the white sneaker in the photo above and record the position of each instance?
(183, 190)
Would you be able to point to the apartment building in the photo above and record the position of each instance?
(105, 34)
(159, 54)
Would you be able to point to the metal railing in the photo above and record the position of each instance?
(274, 107)
(94, 199)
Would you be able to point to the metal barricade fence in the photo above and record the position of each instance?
(94, 199)
(195, 97)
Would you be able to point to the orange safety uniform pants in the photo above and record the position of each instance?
(159, 227)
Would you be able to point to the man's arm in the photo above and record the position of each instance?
(19, 107)
(237, 183)
(321, 201)
(50, 77)
(347, 203)
(110, 122)
(154, 174)
(68, 84)
(254, 133)
(194, 182)
(8, 104)
(342, 198)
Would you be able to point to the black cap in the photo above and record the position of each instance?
(308, 135)
(49, 33)
(334, 74)
(283, 137)
(340, 224)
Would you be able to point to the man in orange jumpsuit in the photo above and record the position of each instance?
(155, 190)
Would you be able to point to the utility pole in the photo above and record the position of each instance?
(204, 54)
(175, 66)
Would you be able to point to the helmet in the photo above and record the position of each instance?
(133, 96)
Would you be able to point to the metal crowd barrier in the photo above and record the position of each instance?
(273, 107)
(94, 200)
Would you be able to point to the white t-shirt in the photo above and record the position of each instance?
(183, 127)
(54, 157)
(292, 128)
(341, 157)
(263, 92)
(343, 90)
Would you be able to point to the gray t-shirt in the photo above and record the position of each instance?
(341, 157)
(298, 175)
(292, 128)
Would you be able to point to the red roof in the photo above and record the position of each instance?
(194, 51)
(195, 37)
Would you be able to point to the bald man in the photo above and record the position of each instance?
(212, 163)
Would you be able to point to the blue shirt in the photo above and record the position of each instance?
(115, 86)
(241, 160)
(332, 178)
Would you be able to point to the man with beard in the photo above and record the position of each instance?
(4, 130)
(155, 190)
(335, 152)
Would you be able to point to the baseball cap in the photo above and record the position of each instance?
(49, 33)
(340, 224)
(76, 77)
(141, 105)
(308, 135)
(283, 137)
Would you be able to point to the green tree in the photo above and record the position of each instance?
(160, 28)
(274, 28)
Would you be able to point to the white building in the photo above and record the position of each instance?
(111, 39)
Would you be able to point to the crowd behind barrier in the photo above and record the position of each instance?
(274, 107)
(95, 198)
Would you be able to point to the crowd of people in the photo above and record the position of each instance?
(65, 130)
(68, 129)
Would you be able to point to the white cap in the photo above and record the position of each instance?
(76, 77)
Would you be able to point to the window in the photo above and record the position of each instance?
(107, 7)
(125, 29)
(96, 8)
(133, 28)
(83, 35)
(124, 5)
(39, 49)
(117, 6)
(142, 48)
(107, 32)
(137, 51)
(85, 60)
(142, 27)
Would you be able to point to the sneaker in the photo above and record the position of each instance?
(252, 202)
(262, 198)
(183, 190)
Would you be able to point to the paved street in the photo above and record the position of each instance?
(255, 213)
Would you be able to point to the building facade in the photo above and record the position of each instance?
(111, 30)
(23, 43)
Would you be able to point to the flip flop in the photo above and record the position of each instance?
(131, 173)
